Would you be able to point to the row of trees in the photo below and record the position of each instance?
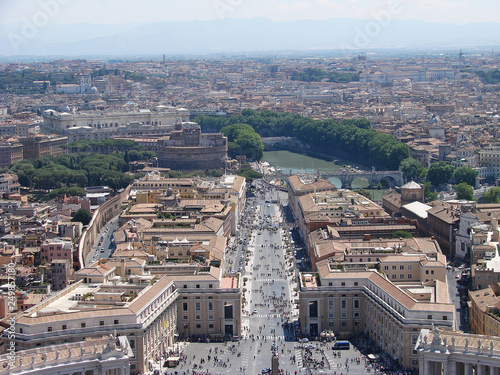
(84, 169)
(353, 139)
(438, 174)
(133, 151)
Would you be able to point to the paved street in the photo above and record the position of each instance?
(102, 249)
(270, 314)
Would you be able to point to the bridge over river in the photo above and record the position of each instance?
(346, 177)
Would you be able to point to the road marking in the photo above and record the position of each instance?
(298, 358)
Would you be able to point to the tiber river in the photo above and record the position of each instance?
(287, 160)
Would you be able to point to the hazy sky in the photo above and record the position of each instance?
(13, 12)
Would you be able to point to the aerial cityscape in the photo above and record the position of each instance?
(249, 187)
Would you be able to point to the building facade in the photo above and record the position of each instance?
(352, 302)
(188, 148)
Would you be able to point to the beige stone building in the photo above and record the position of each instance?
(98, 304)
(457, 353)
(209, 304)
(352, 300)
(102, 356)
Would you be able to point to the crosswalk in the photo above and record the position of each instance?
(244, 358)
(298, 358)
(270, 315)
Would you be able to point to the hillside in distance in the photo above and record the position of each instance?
(240, 35)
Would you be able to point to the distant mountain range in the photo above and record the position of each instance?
(241, 35)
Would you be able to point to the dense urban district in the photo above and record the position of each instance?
(142, 231)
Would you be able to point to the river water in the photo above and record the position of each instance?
(297, 163)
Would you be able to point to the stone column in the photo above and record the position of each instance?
(427, 367)
(467, 368)
(421, 367)
(450, 368)
(479, 369)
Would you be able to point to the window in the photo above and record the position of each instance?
(64, 326)
(330, 303)
(401, 267)
(313, 309)
(82, 325)
(198, 326)
(116, 321)
(394, 268)
(445, 317)
(344, 324)
(343, 304)
(330, 284)
(101, 323)
(410, 267)
(184, 306)
(402, 276)
(197, 306)
(343, 315)
(185, 286)
(330, 315)
(393, 277)
(185, 317)
(197, 317)
(21, 330)
(228, 311)
(355, 283)
(432, 272)
(409, 276)
(132, 344)
(210, 286)
(342, 284)
(49, 329)
(429, 317)
(210, 326)
(356, 315)
(426, 272)
(197, 286)
(414, 339)
(356, 303)
(210, 306)
(386, 268)
(211, 317)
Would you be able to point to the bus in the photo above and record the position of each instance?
(341, 345)
(172, 361)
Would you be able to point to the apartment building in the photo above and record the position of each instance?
(484, 316)
(56, 249)
(9, 184)
(489, 164)
(299, 185)
(40, 145)
(10, 152)
(355, 300)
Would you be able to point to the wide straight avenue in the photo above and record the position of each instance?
(263, 252)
